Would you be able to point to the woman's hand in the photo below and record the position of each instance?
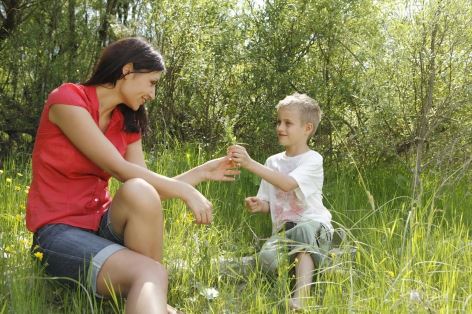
(199, 205)
(220, 169)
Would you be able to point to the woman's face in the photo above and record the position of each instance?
(137, 88)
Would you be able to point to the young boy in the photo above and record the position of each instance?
(291, 190)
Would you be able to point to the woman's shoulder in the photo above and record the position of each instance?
(69, 94)
(66, 88)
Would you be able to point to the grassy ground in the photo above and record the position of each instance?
(408, 259)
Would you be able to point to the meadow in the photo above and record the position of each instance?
(409, 259)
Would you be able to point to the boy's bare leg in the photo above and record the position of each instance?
(304, 278)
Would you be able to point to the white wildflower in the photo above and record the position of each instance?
(415, 296)
(209, 293)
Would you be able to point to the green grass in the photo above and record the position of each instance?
(408, 260)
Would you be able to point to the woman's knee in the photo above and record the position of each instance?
(138, 189)
(140, 196)
(126, 269)
(152, 271)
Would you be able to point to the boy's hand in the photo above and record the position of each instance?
(256, 205)
(239, 156)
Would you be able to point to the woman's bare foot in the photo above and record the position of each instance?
(172, 310)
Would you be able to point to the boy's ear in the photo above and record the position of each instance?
(308, 127)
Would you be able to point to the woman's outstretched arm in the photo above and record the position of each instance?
(79, 127)
(219, 169)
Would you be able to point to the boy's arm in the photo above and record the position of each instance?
(284, 182)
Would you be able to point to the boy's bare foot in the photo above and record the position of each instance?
(172, 310)
(294, 304)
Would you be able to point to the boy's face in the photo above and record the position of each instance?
(291, 131)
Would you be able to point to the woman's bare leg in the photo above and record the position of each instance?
(141, 279)
(136, 215)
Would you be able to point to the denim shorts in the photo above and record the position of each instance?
(76, 255)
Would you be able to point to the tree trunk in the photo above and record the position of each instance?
(72, 40)
(423, 122)
(11, 19)
(103, 32)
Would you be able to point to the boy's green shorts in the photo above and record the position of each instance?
(308, 236)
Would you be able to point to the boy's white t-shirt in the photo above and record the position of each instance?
(303, 203)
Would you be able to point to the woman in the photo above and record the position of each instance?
(88, 133)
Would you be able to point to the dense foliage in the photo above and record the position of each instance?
(393, 77)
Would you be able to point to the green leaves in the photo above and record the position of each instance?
(229, 63)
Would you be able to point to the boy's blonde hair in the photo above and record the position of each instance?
(310, 111)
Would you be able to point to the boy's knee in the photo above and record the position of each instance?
(268, 262)
(268, 257)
